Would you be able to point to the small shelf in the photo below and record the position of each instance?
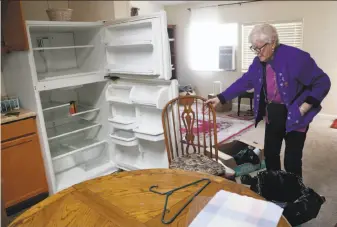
(53, 105)
(124, 138)
(81, 109)
(63, 47)
(62, 150)
(64, 73)
(70, 128)
(133, 43)
(123, 122)
(155, 96)
(147, 134)
(118, 93)
(129, 70)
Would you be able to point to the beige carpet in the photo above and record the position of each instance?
(319, 166)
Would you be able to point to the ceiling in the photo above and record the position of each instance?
(167, 3)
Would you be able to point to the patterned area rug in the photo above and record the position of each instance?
(227, 127)
(245, 115)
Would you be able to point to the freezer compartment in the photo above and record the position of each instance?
(63, 51)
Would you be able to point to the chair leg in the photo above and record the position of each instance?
(239, 102)
(251, 104)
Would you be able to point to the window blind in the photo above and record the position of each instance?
(290, 33)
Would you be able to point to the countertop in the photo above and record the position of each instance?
(24, 113)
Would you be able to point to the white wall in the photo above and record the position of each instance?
(3, 89)
(320, 35)
(147, 7)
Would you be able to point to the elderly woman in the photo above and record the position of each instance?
(289, 88)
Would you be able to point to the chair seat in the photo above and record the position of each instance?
(198, 163)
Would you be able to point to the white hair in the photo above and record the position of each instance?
(263, 32)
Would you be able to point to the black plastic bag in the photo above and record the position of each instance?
(246, 155)
(299, 202)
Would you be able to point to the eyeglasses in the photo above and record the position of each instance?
(257, 50)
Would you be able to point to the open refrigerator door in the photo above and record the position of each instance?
(100, 90)
(139, 66)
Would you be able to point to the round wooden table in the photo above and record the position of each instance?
(124, 200)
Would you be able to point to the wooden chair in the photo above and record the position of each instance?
(190, 132)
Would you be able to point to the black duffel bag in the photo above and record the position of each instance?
(300, 203)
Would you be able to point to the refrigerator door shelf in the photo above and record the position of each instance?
(144, 134)
(124, 138)
(122, 122)
(119, 44)
(118, 93)
(150, 95)
(129, 69)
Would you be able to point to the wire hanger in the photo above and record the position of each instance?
(168, 193)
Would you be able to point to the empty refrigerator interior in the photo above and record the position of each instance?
(76, 124)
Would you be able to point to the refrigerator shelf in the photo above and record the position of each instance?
(81, 109)
(124, 138)
(70, 128)
(62, 47)
(66, 73)
(63, 149)
(53, 105)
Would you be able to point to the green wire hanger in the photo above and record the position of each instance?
(168, 193)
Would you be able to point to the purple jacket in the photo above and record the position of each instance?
(298, 78)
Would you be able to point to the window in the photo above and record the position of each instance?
(290, 33)
(207, 44)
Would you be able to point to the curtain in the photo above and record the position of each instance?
(203, 39)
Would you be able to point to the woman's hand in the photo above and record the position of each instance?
(213, 101)
(304, 108)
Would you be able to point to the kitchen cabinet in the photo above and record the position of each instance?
(22, 169)
(14, 34)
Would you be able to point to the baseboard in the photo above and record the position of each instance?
(26, 204)
(241, 105)
(327, 116)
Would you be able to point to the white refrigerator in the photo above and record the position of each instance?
(98, 89)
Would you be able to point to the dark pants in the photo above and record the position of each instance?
(274, 134)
